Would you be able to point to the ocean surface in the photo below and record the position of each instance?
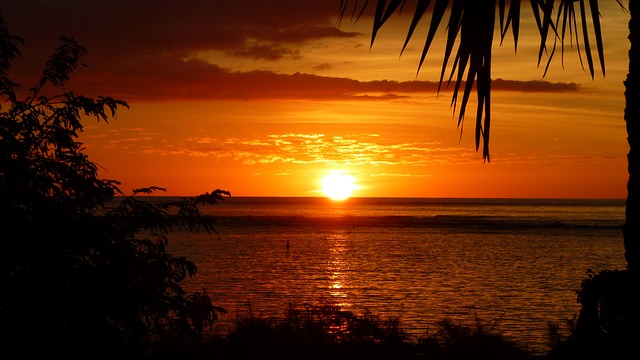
(515, 263)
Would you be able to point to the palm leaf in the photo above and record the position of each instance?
(512, 19)
(378, 19)
(455, 20)
(585, 34)
(544, 24)
(391, 8)
(439, 9)
(383, 13)
(421, 8)
(595, 15)
(343, 9)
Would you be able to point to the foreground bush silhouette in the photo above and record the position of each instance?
(478, 341)
(82, 275)
(608, 325)
(318, 331)
(325, 331)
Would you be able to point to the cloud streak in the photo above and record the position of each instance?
(171, 79)
(303, 149)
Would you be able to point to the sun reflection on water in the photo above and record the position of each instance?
(338, 268)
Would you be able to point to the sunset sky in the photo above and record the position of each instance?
(265, 98)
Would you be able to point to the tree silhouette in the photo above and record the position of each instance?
(83, 274)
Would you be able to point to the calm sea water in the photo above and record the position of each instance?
(514, 262)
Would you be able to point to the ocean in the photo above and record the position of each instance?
(514, 263)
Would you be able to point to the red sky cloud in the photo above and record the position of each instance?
(167, 78)
(167, 27)
(137, 51)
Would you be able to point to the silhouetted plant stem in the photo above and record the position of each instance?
(632, 118)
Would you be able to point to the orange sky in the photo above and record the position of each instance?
(264, 98)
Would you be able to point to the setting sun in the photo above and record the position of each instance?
(338, 186)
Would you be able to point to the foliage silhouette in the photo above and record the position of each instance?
(325, 331)
(455, 340)
(607, 326)
(318, 331)
(84, 274)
